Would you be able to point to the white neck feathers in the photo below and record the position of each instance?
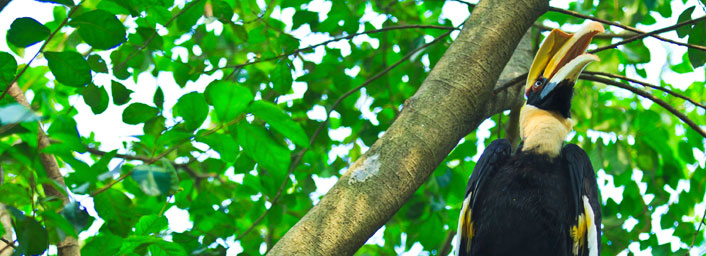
(543, 131)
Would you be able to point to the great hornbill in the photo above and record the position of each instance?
(543, 198)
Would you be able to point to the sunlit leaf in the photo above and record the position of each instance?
(280, 121)
(150, 224)
(100, 29)
(264, 150)
(137, 113)
(69, 68)
(193, 108)
(228, 99)
(155, 180)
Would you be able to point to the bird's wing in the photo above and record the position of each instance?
(495, 153)
(586, 231)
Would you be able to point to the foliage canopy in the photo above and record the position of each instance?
(253, 106)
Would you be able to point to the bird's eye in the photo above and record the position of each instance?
(539, 84)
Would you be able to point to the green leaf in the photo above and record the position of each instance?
(64, 2)
(138, 113)
(684, 16)
(164, 248)
(282, 77)
(193, 108)
(97, 64)
(69, 68)
(8, 68)
(155, 180)
(32, 237)
(16, 113)
(159, 97)
(189, 17)
(697, 36)
(26, 31)
(224, 144)
(112, 204)
(77, 216)
(305, 17)
(228, 99)
(147, 33)
(100, 29)
(222, 11)
(96, 98)
(121, 94)
(280, 121)
(263, 149)
(105, 244)
(150, 224)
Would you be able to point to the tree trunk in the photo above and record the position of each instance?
(453, 100)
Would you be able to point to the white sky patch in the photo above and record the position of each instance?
(361, 172)
(178, 219)
(323, 185)
(377, 238)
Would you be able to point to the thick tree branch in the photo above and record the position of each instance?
(651, 97)
(69, 246)
(323, 124)
(453, 100)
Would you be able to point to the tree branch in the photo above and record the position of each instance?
(46, 41)
(348, 37)
(149, 40)
(454, 99)
(654, 34)
(642, 34)
(698, 230)
(651, 97)
(645, 84)
(325, 122)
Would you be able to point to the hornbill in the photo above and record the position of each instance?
(543, 198)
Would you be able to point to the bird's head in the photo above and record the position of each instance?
(556, 67)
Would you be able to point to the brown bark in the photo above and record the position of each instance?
(454, 99)
(68, 247)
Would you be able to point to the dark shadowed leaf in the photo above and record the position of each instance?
(684, 16)
(138, 113)
(69, 68)
(26, 31)
(158, 98)
(697, 36)
(222, 11)
(228, 99)
(280, 121)
(121, 94)
(32, 237)
(96, 98)
(100, 29)
(97, 64)
(64, 2)
(8, 67)
(193, 108)
(77, 215)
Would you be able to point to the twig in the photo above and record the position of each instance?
(651, 97)
(446, 248)
(698, 230)
(149, 40)
(642, 33)
(654, 33)
(348, 37)
(149, 161)
(46, 41)
(8, 243)
(675, 94)
(515, 81)
(597, 36)
(299, 155)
